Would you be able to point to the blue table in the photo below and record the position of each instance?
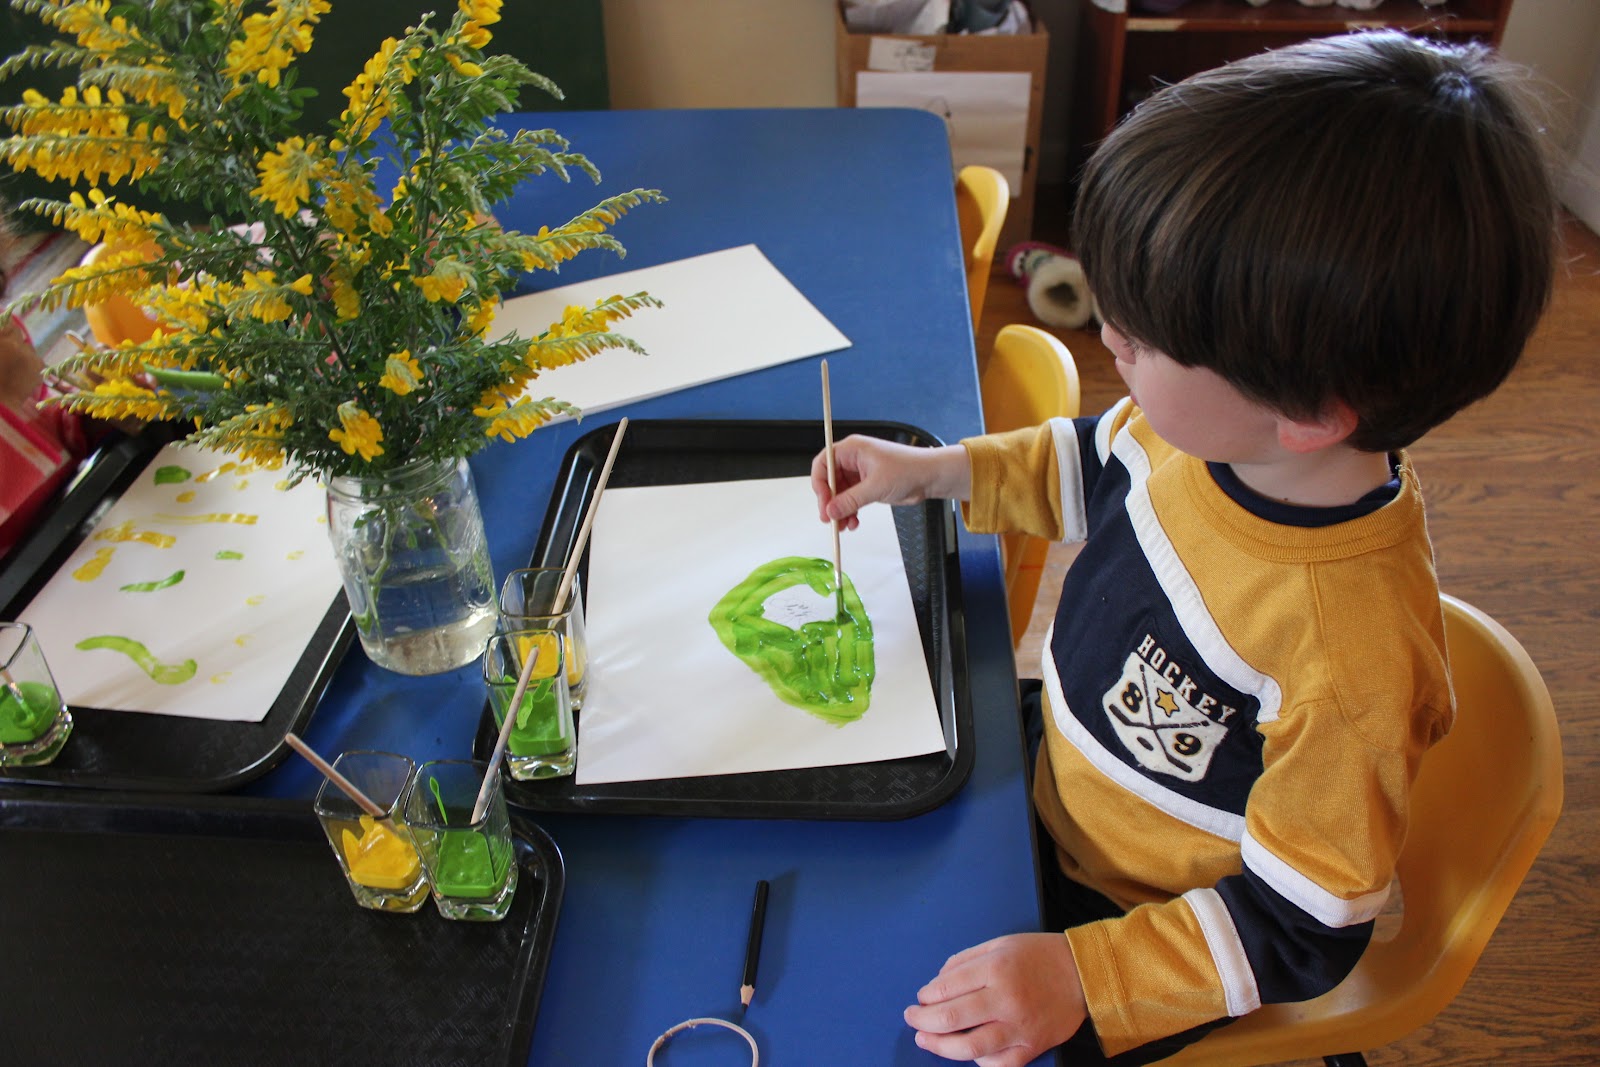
(856, 208)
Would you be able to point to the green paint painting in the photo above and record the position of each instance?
(150, 587)
(172, 474)
(160, 673)
(824, 666)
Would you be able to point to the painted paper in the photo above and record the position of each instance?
(195, 594)
(667, 699)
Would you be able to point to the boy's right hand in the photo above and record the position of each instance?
(868, 470)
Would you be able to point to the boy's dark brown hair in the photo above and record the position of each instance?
(1368, 218)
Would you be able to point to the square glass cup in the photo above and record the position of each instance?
(377, 855)
(543, 742)
(34, 720)
(527, 602)
(472, 864)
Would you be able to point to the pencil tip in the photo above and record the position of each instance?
(746, 992)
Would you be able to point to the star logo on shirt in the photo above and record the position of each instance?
(1162, 731)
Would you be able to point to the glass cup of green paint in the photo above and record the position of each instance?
(528, 602)
(34, 720)
(543, 742)
(471, 862)
(376, 854)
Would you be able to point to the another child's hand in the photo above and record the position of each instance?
(868, 470)
(1002, 1003)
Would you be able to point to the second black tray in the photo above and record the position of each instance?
(219, 930)
(672, 452)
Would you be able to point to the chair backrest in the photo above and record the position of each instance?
(1029, 377)
(982, 197)
(1484, 802)
(114, 318)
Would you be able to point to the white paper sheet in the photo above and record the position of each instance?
(726, 313)
(985, 112)
(244, 622)
(667, 700)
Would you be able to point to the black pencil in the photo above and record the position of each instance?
(752, 948)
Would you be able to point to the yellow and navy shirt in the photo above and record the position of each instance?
(1235, 709)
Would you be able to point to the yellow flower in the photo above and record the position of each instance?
(81, 139)
(287, 174)
(117, 398)
(447, 281)
(357, 432)
(477, 321)
(272, 40)
(483, 12)
(346, 301)
(264, 299)
(368, 93)
(464, 67)
(401, 374)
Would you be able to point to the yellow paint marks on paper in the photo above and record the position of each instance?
(94, 565)
(235, 517)
(125, 531)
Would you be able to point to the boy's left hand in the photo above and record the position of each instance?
(1001, 1003)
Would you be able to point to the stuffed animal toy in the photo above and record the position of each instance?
(1058, 294)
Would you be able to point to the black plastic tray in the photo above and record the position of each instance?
(671, 452)
(123, 750)
(219, 930)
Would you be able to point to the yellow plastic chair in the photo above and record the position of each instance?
(982, 197)
(114, 318)
(1483, 804)
(1029, 377)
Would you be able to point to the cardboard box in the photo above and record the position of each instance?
(951, 53)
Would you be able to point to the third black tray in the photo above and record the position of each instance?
(219, 930)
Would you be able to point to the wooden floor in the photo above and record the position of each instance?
(1513, 491)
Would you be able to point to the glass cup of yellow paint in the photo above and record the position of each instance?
(376, 854)
(471, 862)
(543, 742)
(34, 720)
(528, 602)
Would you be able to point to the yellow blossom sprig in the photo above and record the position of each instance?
(342, 324)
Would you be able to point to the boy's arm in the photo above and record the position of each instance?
(1038, 480)
(868, 470)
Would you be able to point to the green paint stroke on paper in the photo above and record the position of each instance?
(160, 673)
(150, 587)
(229, 553)
(172, 474)
(824, 667)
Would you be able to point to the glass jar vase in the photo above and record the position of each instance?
(411, 549)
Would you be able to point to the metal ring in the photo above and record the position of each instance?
(690, 1024)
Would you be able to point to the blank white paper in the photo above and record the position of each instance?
(725, 313)
(667, 700)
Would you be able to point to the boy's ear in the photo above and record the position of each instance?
(1330, 426)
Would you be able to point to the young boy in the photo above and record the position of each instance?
(1305, 260)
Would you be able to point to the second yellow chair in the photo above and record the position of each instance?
(982, 197)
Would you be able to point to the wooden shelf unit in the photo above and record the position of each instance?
(1122, 56)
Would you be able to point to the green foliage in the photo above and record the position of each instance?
(315, 317)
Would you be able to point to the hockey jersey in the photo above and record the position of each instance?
(1235, 709)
